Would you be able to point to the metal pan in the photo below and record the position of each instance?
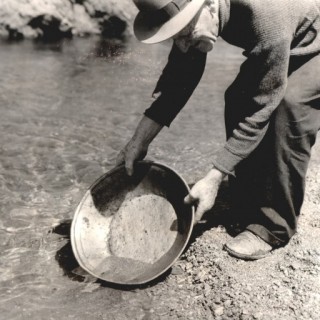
(129, 230)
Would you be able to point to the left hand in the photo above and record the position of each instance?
(204, 192)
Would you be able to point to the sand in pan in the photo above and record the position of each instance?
(141, 229)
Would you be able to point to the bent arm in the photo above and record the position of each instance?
(259, 88)
(179, 79)
(175, 86)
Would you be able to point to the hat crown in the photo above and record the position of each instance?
(150, 5)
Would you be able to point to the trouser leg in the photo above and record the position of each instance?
(269, 186)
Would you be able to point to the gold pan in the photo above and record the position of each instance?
(130, 230)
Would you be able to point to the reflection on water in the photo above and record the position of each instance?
(66, 110)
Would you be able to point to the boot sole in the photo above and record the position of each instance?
(245, 256)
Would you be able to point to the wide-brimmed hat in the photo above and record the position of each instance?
(159, 20)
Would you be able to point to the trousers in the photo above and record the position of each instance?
(268, 188)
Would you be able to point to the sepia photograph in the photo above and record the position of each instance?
(159, 159)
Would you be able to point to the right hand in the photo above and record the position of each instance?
(132, 152)
(137, 147)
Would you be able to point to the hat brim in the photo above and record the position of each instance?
(167, 30)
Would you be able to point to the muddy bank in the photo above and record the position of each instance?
(56, 19)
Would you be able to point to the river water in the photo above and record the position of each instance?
(66, 110)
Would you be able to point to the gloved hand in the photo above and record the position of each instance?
(204, 192)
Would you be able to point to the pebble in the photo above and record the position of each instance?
(227, 303)
(227, 316)
(245, 312)
(217, 300)
(219, 311)
(176, 270)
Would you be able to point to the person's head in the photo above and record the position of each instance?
(189, 22)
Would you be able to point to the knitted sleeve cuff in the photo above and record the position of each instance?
(226, 161)
(159, 117)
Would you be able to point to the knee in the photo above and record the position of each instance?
(294, 97)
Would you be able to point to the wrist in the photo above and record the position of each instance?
(146, 131)
(215, 175)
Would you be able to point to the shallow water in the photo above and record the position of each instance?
(66, 110)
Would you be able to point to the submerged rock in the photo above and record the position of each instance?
(54, 19)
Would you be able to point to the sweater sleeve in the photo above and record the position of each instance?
(176, 84)
(259, 87)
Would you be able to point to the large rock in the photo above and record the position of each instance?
(53, 19)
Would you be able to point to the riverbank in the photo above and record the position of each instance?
(57, 19)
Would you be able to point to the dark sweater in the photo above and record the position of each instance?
(272, 33)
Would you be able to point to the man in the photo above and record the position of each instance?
(272, 109)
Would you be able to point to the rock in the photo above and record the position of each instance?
(84, 24)
(176, 270)
(55, 19)
(206, 290)
(227, 303)
(219, 311)
(245, 312)
(51, 28)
